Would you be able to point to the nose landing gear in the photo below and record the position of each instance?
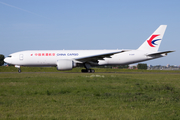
(19, 68)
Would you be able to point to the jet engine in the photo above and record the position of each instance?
(65, 64)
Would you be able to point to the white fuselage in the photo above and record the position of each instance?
(50, 57)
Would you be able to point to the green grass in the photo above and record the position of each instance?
(78, 69)
(89, 96)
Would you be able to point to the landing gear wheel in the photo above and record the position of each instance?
(92, 71)
(83, 70)
(19, 70)
(87, 70)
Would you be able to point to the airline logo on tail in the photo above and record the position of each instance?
(151, 41)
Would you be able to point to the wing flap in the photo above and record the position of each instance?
(95, 58)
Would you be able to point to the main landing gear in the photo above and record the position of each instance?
(87, 70)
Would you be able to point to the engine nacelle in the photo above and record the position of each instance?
(65, 64)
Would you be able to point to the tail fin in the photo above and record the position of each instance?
(153, 42)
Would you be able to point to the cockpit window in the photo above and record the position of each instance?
(9, 56)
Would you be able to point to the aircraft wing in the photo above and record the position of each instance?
(159, 53)
(95, 58)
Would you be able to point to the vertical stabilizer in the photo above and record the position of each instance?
(153, 42)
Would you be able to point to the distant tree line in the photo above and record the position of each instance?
(1, 59)
(142, 66)
(123, 66)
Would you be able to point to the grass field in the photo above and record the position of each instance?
(78, 69)
(52, 96)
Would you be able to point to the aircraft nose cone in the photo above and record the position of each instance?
(7, 60)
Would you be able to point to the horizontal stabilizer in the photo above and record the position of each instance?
(159, 53)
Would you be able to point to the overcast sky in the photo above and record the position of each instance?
(88, 24)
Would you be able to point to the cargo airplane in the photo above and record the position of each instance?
(68, 59)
